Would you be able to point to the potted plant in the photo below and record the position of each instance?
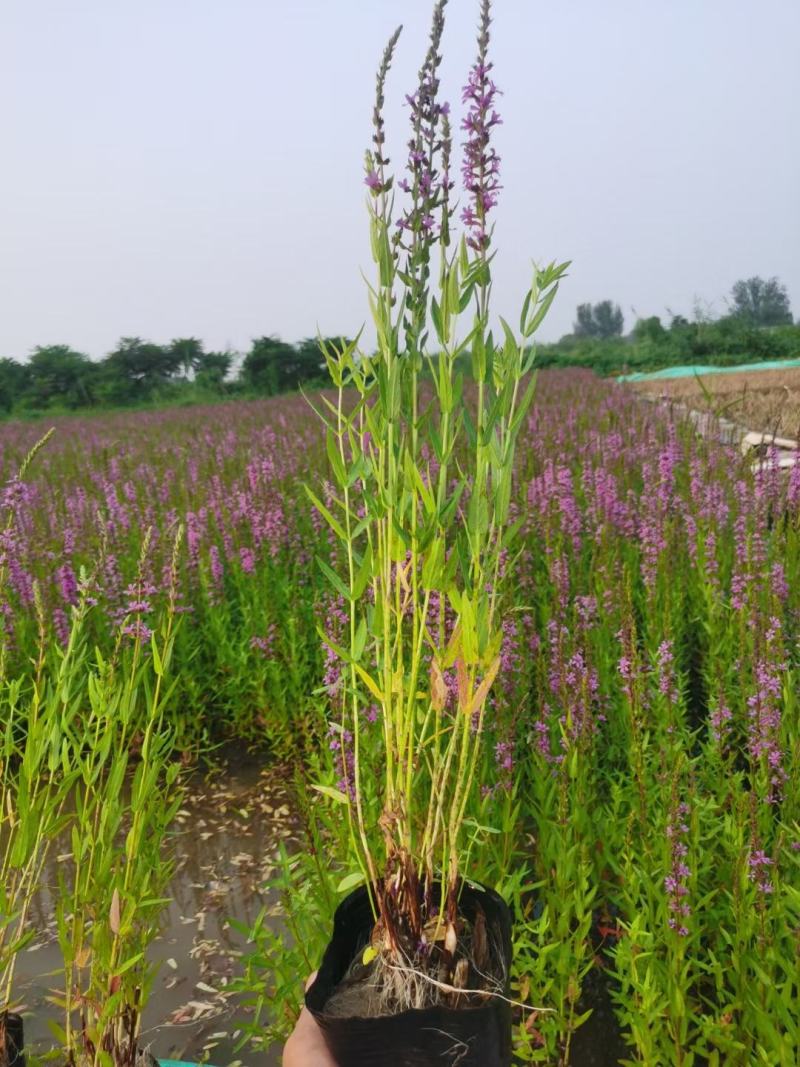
(422, 459)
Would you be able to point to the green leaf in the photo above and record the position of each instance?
(466, 297)
(483, 829)
(350, 881)
(540, 312)
(342, 653)
(526, 303)
(331, 793)
(334, 458)
(524, 405)
(452, 285)
(424, 491)
(360, 639)
(363, 574)
(57, 1031)
(432, 567)
(333, 578)
(130, 963)
(436, 315)
(332, 522)
(158, 666)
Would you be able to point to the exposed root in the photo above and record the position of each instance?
(484, 993)
(392, 982)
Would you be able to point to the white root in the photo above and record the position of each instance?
(447, 988)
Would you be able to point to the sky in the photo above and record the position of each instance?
(178, 168)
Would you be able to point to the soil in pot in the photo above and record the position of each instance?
(383, 1012)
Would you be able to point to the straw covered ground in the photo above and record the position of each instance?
(767, 400)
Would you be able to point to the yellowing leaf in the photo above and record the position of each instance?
(438, 687)
(369, 682)
(350, 881)
(333, 794)
(482, 691)
(114, 916)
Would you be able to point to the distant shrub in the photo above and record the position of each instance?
(727, 341)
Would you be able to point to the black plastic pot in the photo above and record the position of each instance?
(431, 1037)
(15, 1040)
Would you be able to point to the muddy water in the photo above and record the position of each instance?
(228, 831)
(227, 834)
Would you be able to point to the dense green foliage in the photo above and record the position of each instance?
(758, 327)
(640, 791)
(141, 373)
(648, 683)
(727, 342)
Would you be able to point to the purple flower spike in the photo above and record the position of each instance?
(481, 166)
(675, 883)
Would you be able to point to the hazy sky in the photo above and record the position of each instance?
(194, 167)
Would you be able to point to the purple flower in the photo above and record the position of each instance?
(137, 631)
(61, 626)
(481, 163)
(68, 583)
(764, 724)
(373, 181)
(760, 863)
(719, 723)
(675, 882)
(667, 684)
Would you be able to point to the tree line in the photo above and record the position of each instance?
(758, 325)
(140, 372)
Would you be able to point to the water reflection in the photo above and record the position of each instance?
(227, 835)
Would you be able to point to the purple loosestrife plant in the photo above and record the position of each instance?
(420, 506)
(35, 715)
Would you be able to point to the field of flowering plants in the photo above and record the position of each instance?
(640, 800)
(230, 479)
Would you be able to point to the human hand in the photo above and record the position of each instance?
(306, 1046)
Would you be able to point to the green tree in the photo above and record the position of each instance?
(608, 319)
(136, 369)
(14, 381)
(212, 368)
(188, 352)
(584, 321)
(678, 322)
(649, 329)
(263, 366)
(599, 320)
(760, 302)
(57, 374)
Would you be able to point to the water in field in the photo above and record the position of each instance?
(229, 829)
